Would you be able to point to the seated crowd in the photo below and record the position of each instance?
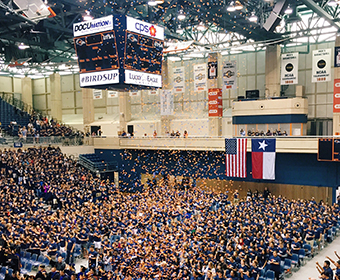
(39, 126)
(50, 205)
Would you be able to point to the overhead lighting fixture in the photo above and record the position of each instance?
(231, 7)
(238, 6)
(289, 10)
(333, 3)
(159, 2)
(87, 16)
(253, 17)
(181, 15)
(200, 27)
(179, 30)
(22, 46)
(152, 3)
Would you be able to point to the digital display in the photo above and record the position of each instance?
(119, 52)
(97, 52)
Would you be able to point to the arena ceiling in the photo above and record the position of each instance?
(49, 39)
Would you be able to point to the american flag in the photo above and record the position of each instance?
(236, 157)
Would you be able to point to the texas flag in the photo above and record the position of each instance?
(263, 158)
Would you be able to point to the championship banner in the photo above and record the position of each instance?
(212, 70)
(289, 68)
(134, 93)
(336, 97)
(154, 92)
(321, 71)
(337, 57)
(179, 79)
(167, 103)
(229, 75)
(200, 77)
(112, 94)
(97, 94)
(215, 102)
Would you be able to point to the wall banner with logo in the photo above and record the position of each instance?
(212, 70)
(112, 94)
(321, 70)
(337, 57)
(229, 72)
(336, 99)
(97, 94)
(167, 103)
(179, 79)
(215, 102)
(200, 77)
(154, 92)
(289, 68)
(134, 93)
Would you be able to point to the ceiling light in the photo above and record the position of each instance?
(253, 17)
(333, 3)
(87, 16)
(179, 30)
(159, 2)
(238, 6)
(22, 46)
(152, 3)
(289, 10)
(231, 7)
(200, 27)
(181, 15)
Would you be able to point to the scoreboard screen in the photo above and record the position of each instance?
(119, 52)
(329, 149)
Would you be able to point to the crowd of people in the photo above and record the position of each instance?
(39, 126)
(49, 205)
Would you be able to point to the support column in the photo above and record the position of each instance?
(215, 123)
(124, 109)
(167, 76)
(27, 91)
(273, 55)
(336, 116)
(88, 107)
(56, 105)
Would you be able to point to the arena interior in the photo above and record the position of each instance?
(169, 139)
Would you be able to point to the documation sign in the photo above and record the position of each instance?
(119, 52)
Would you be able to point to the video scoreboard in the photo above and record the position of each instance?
(329, 149)
(119, 52)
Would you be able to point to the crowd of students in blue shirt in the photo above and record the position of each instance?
(49, 205)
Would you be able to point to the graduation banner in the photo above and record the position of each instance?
(229, 72)
(200, 77)
(97, 94)
(321, 70)
(167, 103)
(179, 79)
(289, 68)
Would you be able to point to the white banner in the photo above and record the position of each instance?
(144, 28)
(167, 103)
(134, 92)
(229, 73)
(112, 94)
(143, 79)
(289, 68)
(321, 71)
(93, 26)
(154, 92)
(179, 79)
(97, 94)
(200, 77)
(99, 78)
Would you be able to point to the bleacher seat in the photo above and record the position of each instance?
(2, 272)
(287, 267)
(27, 269)
(39, 261)
(270, 275)
(308, 250)
(295, 260)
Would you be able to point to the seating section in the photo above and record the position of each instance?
(95, 163)
(8, 114)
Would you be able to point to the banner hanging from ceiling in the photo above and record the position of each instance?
(179, 79)
(321, 70)
(229, 75)
(167, 103)
(200, 77)
(289, 68)
(112, 94)
(97, 94)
